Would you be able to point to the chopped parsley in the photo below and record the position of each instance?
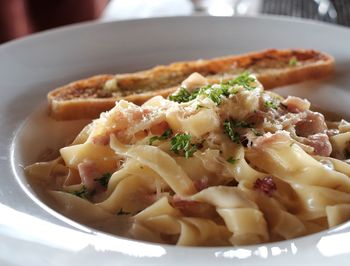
(183, 95)
(216, 93)
(244, 80)
(233, 135)
(293, 61)
(197, 91)
(104, 179)
(231, 125)
(231, 160)
(182, 143)
(167, 133)
(271, 104)
(81, 193)
(122, 212)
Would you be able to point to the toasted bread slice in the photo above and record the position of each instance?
(89, 97)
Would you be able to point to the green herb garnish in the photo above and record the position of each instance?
(104, 179)
(182, 143)
(231, 160)
(167, 133)
(183, 95)
(122, 212)
(244, 80)
(231, 125)
(293, 61)
(215, 93)
(81, 193)
(196, 92)
(271, 104)
(233, 135)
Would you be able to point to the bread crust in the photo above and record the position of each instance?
(87, 98)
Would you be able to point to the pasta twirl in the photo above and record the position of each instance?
(211, 165)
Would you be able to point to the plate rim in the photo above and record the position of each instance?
(88, 25)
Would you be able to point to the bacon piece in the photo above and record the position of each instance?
(193, 208)
(201, 183)
(265, 185)
(187, 207)
(88, 172)
(312, 124)
(139, 114)
(257, 118)
(321, 144)
(160, 128)
(117, 121)
(101, 139)
(296, 104)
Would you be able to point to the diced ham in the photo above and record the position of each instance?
(296, 104)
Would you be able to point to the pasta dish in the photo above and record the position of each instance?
(211, 165)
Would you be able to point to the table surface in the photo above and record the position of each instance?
(301, 8)
(120, 9)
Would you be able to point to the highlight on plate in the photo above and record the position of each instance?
(212, 165)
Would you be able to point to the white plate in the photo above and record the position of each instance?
(32, 234)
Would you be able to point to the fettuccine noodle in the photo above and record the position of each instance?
(212, 165)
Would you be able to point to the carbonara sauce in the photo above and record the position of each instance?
(211, 165)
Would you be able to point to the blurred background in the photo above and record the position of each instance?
(19, 18)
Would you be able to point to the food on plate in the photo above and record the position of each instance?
(210, 165)
(87, 98)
